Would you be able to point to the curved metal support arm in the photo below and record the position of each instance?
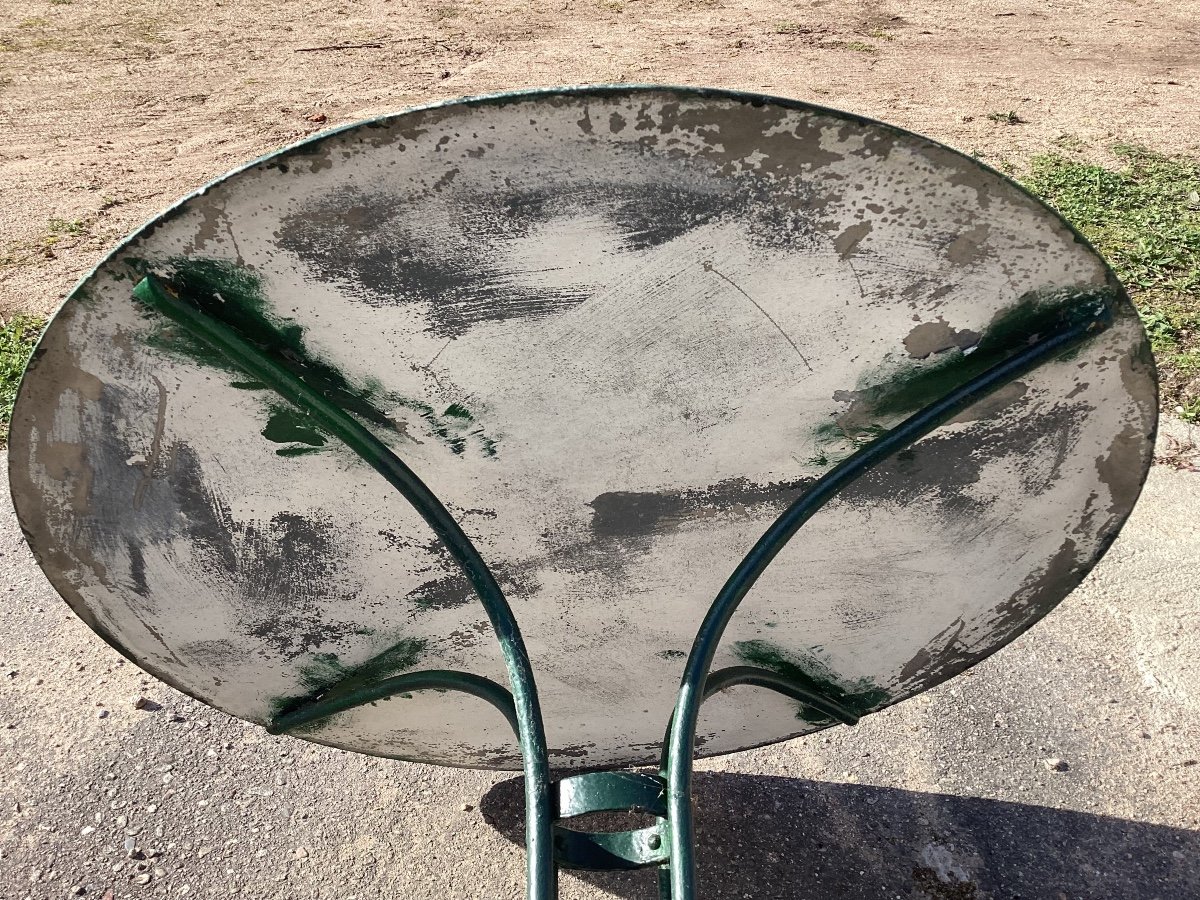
(1090, 315)
(809, 695)
(331, 702)
(531, 734)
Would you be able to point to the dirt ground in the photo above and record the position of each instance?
(112, 109)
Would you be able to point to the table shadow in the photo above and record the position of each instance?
(769, 837)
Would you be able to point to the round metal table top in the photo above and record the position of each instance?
(616, 331)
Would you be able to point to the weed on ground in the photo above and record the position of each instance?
(1144, 217)
(17, 337)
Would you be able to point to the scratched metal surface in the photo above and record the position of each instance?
(617, 332)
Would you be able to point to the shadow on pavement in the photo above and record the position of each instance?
(769, 837)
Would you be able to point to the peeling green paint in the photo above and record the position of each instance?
(296, 451)
(835, 442)
(453, 426)
(860, 696)
(288, 425)
(900, 385)
(324, 676)
(234, 295)
(912, 387)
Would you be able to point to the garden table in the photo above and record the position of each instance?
(483, 435)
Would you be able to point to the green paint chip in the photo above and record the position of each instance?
(288, 426)
(296, 451)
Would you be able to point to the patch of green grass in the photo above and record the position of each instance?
(1145, 219)
(17, 337)
(64, 226)
(57, 229)
(1006, 118)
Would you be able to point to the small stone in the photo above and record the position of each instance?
(102, 714)
(152, 853)
(122, 821)
(35, 875)
(1054, 764)
(467, 807)
(86, 830)
(159, 873)
(143, 702)
(300, 853)
(78, 890)
(144, 878)
(130, 844)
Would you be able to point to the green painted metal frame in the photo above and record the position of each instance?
(669, 843)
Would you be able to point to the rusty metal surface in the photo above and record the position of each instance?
(617, 332)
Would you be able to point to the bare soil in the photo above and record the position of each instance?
(112, 109)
